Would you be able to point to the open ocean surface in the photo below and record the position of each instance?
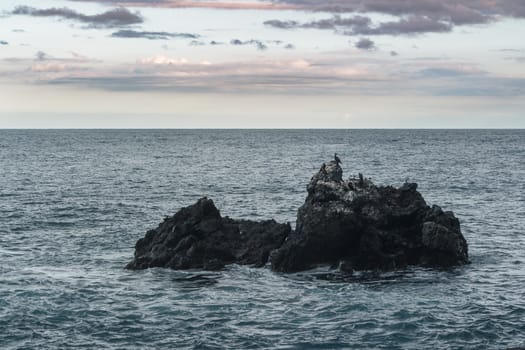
(74, 202)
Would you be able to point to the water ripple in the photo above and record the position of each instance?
(69, 220)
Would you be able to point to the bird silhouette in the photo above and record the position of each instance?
(336, 158)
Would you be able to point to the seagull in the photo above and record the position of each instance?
(336, 158)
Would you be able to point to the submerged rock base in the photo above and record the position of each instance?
(351, 224)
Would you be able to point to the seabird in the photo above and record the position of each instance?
(337, 160)
(323, 168)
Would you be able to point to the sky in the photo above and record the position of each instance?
(262, 64)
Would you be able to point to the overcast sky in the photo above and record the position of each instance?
(264, 64)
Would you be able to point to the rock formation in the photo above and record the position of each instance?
(352, 224)
(360, 226)
(198, 237)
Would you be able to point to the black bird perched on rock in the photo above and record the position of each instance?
(336, 158)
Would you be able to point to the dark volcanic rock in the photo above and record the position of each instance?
(198, 237)
(368, 227)
(352, 224)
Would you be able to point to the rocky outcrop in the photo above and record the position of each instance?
(198, 237)
(351, 224)
(357, 225)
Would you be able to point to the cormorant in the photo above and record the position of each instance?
(323, 168)
(336, 158)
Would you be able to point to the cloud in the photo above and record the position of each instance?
(197, 43)
(259, 44)
(2, 42)
(249, 79)
(125, 33)
(446, 72)
(213, 4)
(164, 73)
(56, 67)
(334, 75)
(365, 44)
(411, 16)
(458, 12)
(410, 25)
(519, 59)
(282, 24)
(511, 50)
(480, 87)
(338, 21)
(42, 56)
(117, 17)
(162, 60)
(361, 25)
(328, 23)
(79, 57)
(43, 67)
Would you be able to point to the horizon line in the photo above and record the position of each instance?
(267, 128)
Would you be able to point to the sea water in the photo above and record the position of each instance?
(74, 202)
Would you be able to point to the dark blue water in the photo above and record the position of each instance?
(73, 203)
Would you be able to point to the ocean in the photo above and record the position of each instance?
(74, 202)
